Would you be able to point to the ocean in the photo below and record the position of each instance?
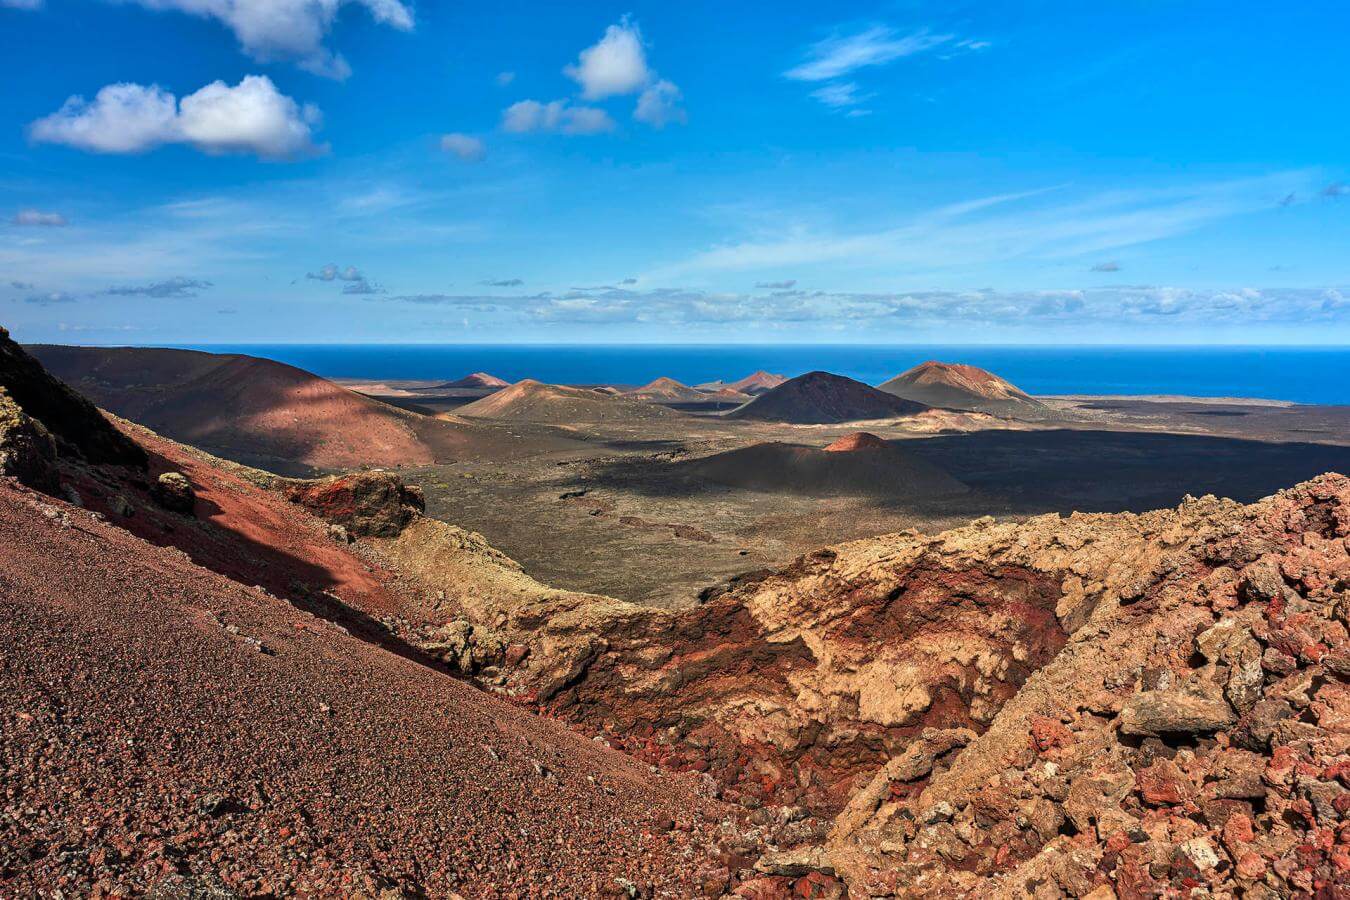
(1298, 374)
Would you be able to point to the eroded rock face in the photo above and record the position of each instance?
(368, 504)
(1194, 732)
(76, 424)
(796, 689)
(27, 451)
(1042, 708)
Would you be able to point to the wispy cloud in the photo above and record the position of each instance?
(999, 228)
(840, 94)
(838, 58)
(505, 282)
(1108, 266)
(28, 218)
(49, 298)
(361, 287)
(938, 309)
(172, 288)
(840, 55)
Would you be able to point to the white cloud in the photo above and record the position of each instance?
(838, 56)
(658, 105)
(505, 78)
(123, 118)
(36, 217)
(466, 147)
(251, 117)
(332, 272)
(1141, 306)
(21, 4)
(616, 64)
(270, 30)
(559, 116)
(839, 94)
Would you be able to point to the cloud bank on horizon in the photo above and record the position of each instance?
(921, 175)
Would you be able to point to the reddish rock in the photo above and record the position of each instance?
(1163, 784)
(1237, 833)
(1048, 734)
(1251, 866)
(375, 504)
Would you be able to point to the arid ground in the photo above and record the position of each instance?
(626, 512)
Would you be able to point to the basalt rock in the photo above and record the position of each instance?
(366, 504)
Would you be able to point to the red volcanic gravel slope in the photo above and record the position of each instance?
(164, 728)
(958, 386)
(858, 440)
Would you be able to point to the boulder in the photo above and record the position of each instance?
(174, 492)
(367, 504)
(1158, 713)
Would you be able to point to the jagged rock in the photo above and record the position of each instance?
(796, 862)
(840, 669)
(27, 451)
(1097, 796)
(1158, 713)
(1163, 784)
(73, 421)
(174, 492)
(466, 648)
(368, 504)
(1262, 581)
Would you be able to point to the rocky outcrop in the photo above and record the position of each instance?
(76, 424)
(27, 451)
(365, 504)
(1010, 709)
(1192, 735)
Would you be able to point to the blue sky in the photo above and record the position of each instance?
(387, 171)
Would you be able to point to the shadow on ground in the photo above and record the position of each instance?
(1055, 470)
